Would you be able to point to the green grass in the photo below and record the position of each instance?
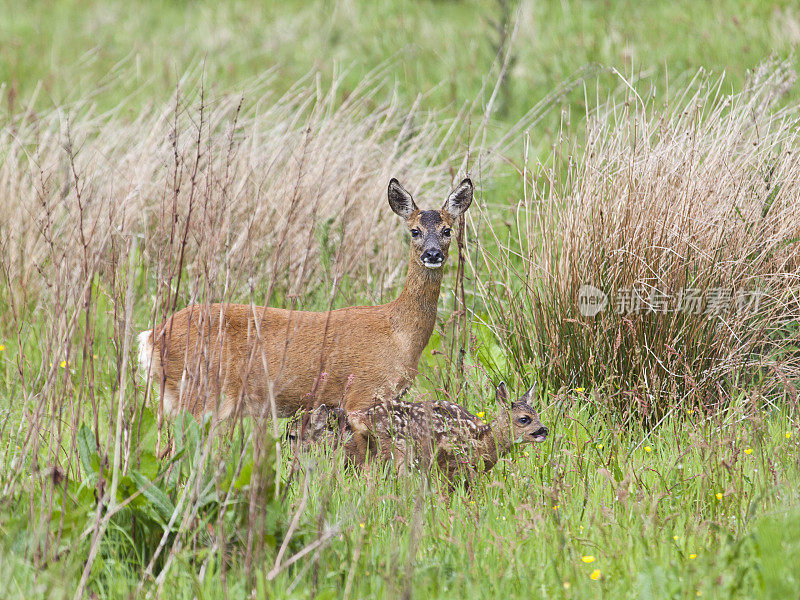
(442, 50)
(702, 504)
(694, 513)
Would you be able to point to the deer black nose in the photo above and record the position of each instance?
(432, 256)
(540, 433)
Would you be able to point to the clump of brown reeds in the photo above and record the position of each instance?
(241, 181)
(684, 218)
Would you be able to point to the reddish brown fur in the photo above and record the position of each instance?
(219, 357)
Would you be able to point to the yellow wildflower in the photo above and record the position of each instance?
(63, 364)
(599, 446)
(361, 525)
(587, 559)
(595, 575)
(719, 495)
(481, 414)
(699, 593)
(788, 435)
(692, 556)
(689, 411)
(748, 450)
(566, 585)
(648, 449)
(2, 347)
(94, 356)
(555, 507)
(675, 537)
(580, 390)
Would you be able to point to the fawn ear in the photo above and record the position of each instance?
(459, 199)
(400, 200)
(528, 396)
(501, 393)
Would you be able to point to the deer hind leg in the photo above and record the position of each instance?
(167, 408)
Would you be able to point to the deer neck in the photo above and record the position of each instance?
(416, 305)
(499, 442)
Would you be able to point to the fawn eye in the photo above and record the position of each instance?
(415, 232)
(524, 420)
(446, 232)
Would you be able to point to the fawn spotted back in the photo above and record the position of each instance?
(427, 433)
(324, 425)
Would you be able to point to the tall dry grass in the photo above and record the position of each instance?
(686, 216)
(244, 180)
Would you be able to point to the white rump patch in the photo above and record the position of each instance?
(145, 352)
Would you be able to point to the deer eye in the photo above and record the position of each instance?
(446, 232)
(415, 232)
(524, 420)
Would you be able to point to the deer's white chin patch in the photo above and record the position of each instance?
(433, 265)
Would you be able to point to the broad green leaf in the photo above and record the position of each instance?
(87, 449)
(157, 497)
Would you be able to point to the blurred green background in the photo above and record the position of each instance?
(438, 52)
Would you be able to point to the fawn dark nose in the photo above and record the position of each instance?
(540, 434)
(432, 256)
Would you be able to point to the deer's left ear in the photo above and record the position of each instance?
(528, 396)
(459, 199)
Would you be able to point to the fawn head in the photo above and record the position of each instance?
(430, 229)
(321, 425)
(526, 427)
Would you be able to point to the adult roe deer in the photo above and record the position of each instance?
(430, 433)
(227, 357)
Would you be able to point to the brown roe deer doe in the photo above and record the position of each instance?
(431, 433)
(223, 358)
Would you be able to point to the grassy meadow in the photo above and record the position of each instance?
(158, 154)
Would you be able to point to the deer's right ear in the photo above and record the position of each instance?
(400, 200)
(501, 394)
